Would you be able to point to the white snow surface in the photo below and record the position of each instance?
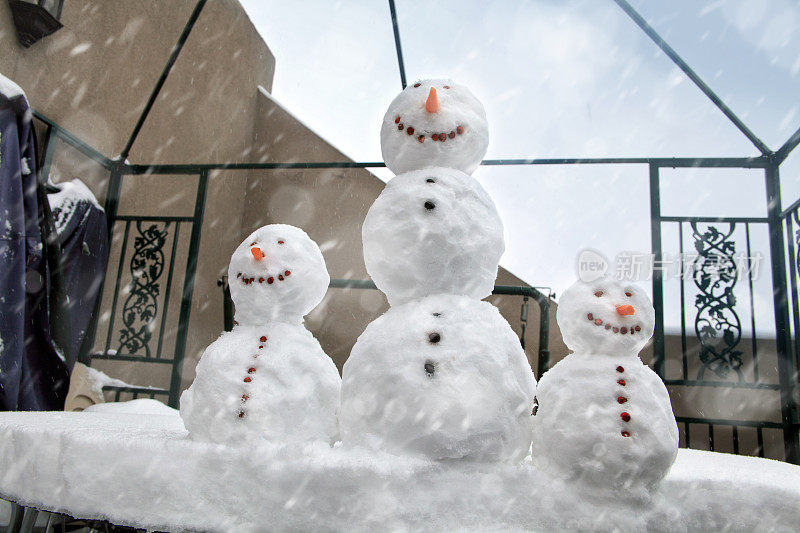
(63, 202)
(604, 417)
(144, 471)
(433, 231)
(452, 386)
(284, 284)
(458, 108)
(141, 406)
(9, 89)
(271, 381)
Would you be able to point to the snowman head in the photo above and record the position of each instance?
(434, 123)
(433, 231)
(276, 274)
(605, 316)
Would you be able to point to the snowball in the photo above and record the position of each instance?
(277, 273)
(602, 299)
(272, 381)
(444, 377)
(604, 418)
(433, 231)
(409, 128)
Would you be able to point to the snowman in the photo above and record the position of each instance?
(604, 418)
(441, 374)
(268, 377)
(434, 123)
(432, 231)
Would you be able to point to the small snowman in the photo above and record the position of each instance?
(268, 377)
(604, 418)
(443, 377)
(432, 231)
(434, 123)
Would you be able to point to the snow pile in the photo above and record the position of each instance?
(143, 406)
(63, 202)
(268, 377)
(604, 418)
(443, 377)
(434, 123)
(433, 231)
(144, 471)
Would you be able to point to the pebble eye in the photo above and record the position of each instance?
(598, 294)
(446, 86)
(253, 243)
(280, 242)
(430, 368)
(430, 180)
(429, 205)
(628, 294)
(434, 337)
(417, 84)
(437, 314)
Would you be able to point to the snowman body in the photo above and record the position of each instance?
(433, 231)
(604, 418)
(268, 377)
(443, 377)
(272, 381)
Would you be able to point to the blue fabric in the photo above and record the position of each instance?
(83, 243)
(32, 374)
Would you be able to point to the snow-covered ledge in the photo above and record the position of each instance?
(142, 470)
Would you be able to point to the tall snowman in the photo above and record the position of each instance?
(268, 377)
(441, 374)
(604, 418)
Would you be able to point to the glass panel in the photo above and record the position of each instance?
(748, 52)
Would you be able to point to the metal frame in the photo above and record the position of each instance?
(768, 160)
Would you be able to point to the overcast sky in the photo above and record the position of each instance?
(563, 78)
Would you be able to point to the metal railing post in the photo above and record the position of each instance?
(787, 375)
(658, 272)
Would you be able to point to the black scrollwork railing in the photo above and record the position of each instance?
(141, 306)
(716, 324)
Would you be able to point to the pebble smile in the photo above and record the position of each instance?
(442, 137)
(269, 280)
(614, 329)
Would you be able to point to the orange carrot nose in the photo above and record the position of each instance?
(257, 253)
(625, 310)
(432, 105)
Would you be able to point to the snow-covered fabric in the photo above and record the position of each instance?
(33, 375)
(80, 225)
(144, 471)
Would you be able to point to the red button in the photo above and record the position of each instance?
(625, 417)
(621, 382)
(620, 369)
(247, 379)
(626, 434)
(621, 399)
(263, 338)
